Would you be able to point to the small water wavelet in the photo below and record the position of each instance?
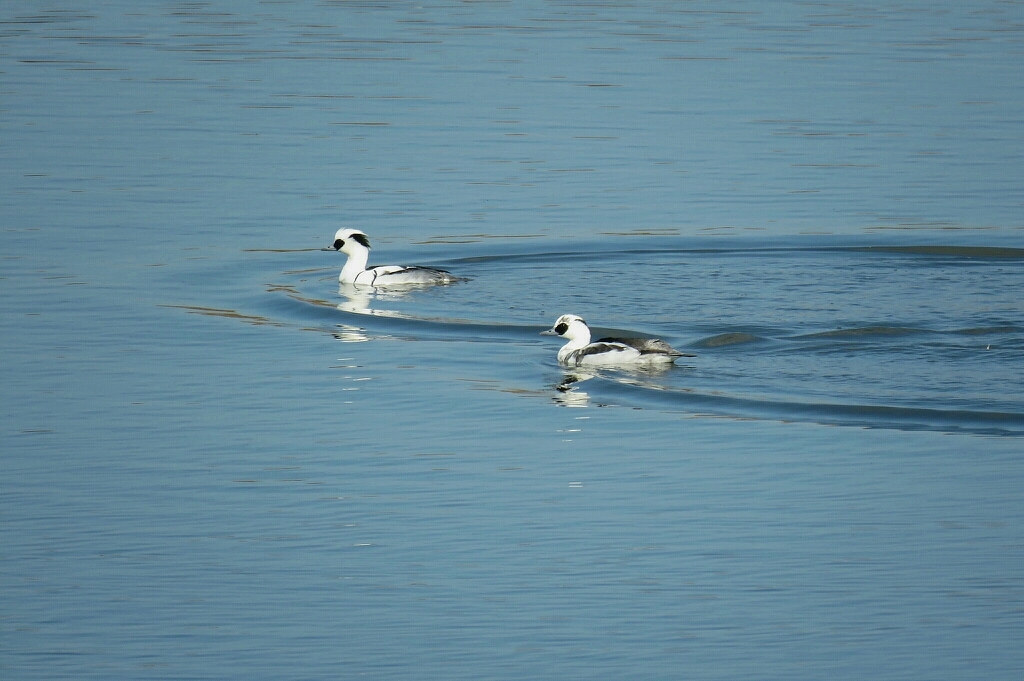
(328, 314)
(642, 392)
(727, 339)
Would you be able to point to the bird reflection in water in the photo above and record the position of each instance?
(359, 297)
(567, 392)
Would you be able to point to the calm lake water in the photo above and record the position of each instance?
(216, 464)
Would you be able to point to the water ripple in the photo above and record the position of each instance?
(810, 333)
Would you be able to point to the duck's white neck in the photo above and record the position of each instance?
(355, 264)
(578, 336)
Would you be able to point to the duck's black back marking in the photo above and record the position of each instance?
(645, 345)
(432, 276)
(600, 347)
(638, 343)
(403, 270)
(425, 269)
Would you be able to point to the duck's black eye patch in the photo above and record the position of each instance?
(338, 243)
(561, 328)
(361, 239)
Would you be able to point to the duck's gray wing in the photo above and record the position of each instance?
(415, 272)
(648, 345)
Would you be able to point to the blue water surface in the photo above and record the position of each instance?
(218, 464)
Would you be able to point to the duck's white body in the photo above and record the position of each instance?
(356, 246)
(579, 351)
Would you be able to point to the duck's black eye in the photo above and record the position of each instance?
(561, 328)
(338, 243)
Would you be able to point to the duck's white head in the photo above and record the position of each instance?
(571, 327)
(351, 241)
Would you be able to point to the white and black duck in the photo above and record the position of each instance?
(608, 352)
(356, 245)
